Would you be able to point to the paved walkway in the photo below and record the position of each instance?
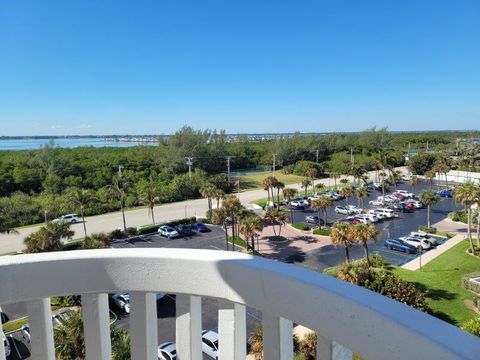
(445, 225)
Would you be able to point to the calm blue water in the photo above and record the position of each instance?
(33, 144)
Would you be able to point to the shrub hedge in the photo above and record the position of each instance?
(301, 226)
(148, 229)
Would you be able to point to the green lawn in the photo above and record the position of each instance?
(254, 180)
(441, 279)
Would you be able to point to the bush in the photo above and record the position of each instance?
(117, 234)
(460, 216)
(472, 286)
(301, 226)
(321, 231)
(377, 261)
(147, 229)
(72, 245)
(428, 230)
(472, 326)
(131, 231)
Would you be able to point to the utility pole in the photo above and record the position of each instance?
(274, 158)
(427, 146)
(120, 167)
(352, 159)
(317, 151)
(189, 164)
(228, 166)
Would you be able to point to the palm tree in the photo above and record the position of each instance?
(334, 175)
(256, 341)
(430, 175)
(207, 191)
(305, 184)
(361, 193)
(279, 186)
(322, 203)
(443, 167)
(250, 225)
(268, 184)
(362, 233)
(289, 194)
(319, 186)
(341, 235)
(220, 216)
(346, 192)
(308, 346)
(429, 197)
(275, 216)
(382, 159)
(80, 198)
(118, 189)
(312, 173)
(394, 178)
(217, 195)
(48, 238)
(466, 194)
(148, 193)
(232, 205)
(413, 182)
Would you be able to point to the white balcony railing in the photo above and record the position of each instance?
(368, 324)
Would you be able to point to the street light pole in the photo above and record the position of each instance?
(228, 166)
(317, 151)
(189, 164)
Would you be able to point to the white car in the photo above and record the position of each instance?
(168, 231)
(378, 215)
(387, 199)
(6, 345)
(419, 235)
(364, 219)
(167, 351)
(122, 300)
(405, 193)
(355, 209)
(299, 203)
(68, 218)
(375, 202)
(418, 243)
(386, 213)
(373, 218)
(210, 343)
(60, 316)
(25, 331)
(343, 210)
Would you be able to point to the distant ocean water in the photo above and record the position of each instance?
(37, 143)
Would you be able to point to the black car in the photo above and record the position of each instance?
(185, 230)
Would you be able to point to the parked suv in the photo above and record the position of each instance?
(168, 232)
(69, 218)
(399, 245)
(343, 210)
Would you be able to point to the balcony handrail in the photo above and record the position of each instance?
(372, 325)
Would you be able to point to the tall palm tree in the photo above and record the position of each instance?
(383, 160)
(250, 225)
(322, 204)
(362, 233)
(118, 189)
(275, 216)
(443, 167)
(429, 198)
(149, 194)
(289, 194)
(341, 235)
(335, 175)
(361, 193)
(48, 238)
(207, 191)
(79, 199)
(346, 192)
(466, 194)
(232, 205)
(218, 194)
(268, 184)
(312, 173)
(220, 217)
(279, 186)
(413, 182)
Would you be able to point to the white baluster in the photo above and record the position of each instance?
(96, 326)
(143, 326)
(324, 348)
(277, 337)
(232, 329)
(189, 327)
(2, 348)
(41, 329)
(340, 352)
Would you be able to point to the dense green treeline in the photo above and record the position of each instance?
(34, 183)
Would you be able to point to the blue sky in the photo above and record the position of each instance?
(103, 67)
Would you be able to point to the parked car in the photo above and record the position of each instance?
(299, 202)
(68, 218)
(313, 219)
(167, 351)
(399, 245)
(6, 345)
(350, 220)
(373, 218)
(402, 207)
(417, 204)
(122, 301)
(355, 209)
(434, 241)
(405, 193)
(375, 202)
(380, 216)
(387, 213)
(364, 219)
(25, 331)
(343, 210)
(446, 193)
(210, 343)
(60, 316)
(168, 232)
(200, 227)
(420, 244)
(185, 230)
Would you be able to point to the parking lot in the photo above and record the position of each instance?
(318, 259)
(402, 225)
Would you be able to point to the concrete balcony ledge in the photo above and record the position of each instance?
(362, 321)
